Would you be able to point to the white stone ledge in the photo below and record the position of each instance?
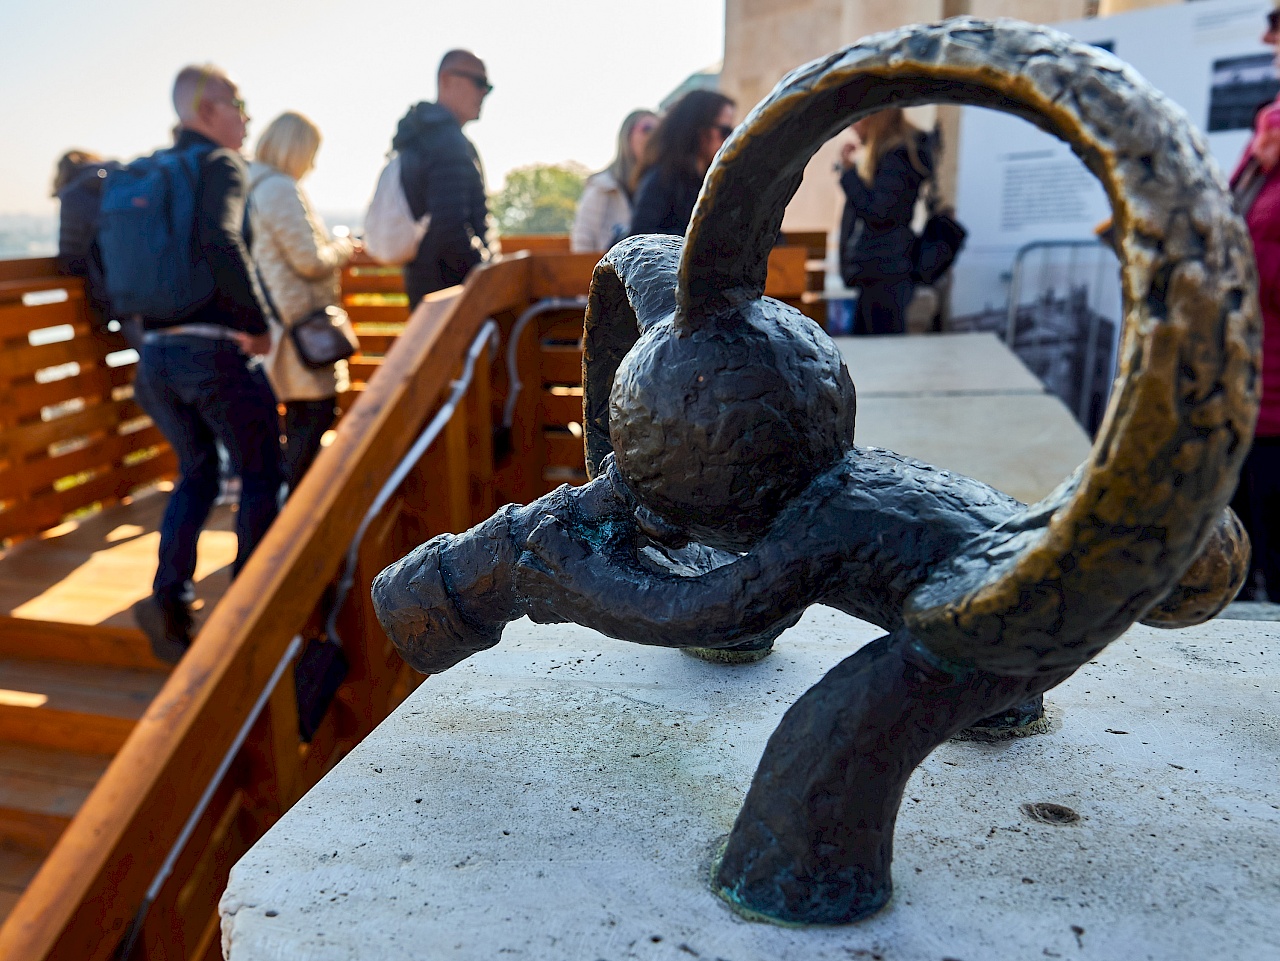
(559, 797)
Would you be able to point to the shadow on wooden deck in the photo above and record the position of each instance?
(93, 571)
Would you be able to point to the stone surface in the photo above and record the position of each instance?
(966, 403)
(560, 796)
(935, 364)
(1021, 445)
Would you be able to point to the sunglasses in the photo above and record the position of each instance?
(481, 81)
(234, 102)
(1273, 21)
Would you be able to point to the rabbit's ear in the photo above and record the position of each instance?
(633, 288)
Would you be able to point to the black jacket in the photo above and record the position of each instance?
(664, 202)
(441, 174)
(875, 228)
(78, 253)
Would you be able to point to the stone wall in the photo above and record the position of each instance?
(764, 39)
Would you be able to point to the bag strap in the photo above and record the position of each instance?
(929, 188)
(253, 185)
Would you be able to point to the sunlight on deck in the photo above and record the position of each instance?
(22, 699)
(113, 579)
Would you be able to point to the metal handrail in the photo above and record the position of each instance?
(135, 928)
(488, 335)
(546, 305)
(1019, 260)
(1015, 296)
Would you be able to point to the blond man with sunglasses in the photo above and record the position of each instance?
(196, 377)
(443, 178)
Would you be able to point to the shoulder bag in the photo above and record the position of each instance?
(324, 337)
(935, 250)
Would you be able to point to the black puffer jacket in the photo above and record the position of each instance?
(442, 176)
(664, 202)
(875, 229)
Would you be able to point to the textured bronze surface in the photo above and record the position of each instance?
(727, 494)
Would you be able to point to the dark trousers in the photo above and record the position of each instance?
(882, 307)
(1257, 501)
(200, 391)
(305, 422)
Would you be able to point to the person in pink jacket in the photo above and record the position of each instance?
(1256, 184)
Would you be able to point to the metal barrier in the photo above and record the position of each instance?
(1063, 320)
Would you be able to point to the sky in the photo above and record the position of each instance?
(98, 76)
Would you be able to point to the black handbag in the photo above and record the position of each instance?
(940, 241)
(317, 675)
(324, 337)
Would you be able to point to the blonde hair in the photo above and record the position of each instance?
(69, 166)
(289, 144)
(887, 130)
(196, 83)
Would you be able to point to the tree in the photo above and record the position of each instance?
(539, 198)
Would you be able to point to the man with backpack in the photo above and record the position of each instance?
(175, 258)
(442, 177)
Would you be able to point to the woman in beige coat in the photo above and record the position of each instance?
(603, 216)
(300, 266)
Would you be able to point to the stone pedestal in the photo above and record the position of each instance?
(560, 797)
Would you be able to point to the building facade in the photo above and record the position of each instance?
(764, 39)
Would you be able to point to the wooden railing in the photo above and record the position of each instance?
(87, 895)
(216, 759)
(71, 435)
(796, 266)
(72, 439)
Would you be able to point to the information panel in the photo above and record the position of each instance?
(1018, 185)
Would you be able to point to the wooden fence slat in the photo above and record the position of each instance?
(361, 369)
(177, 918)
(34, 268)
(536, 244)
(787, 275)
(26, 639)
(41, 513)
(64, 730)
(24, 361)
(354, 282)
(563, 327)
(19, 442)
(561, 410)
(32, 477)
(457, 465)
(479, 450)
(565, 450)
(376, 344)
(552, 275)
(382, 316)
(24, 400)
(561, 365)
(18, 320)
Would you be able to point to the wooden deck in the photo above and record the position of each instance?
(91, 572)
(75, 672)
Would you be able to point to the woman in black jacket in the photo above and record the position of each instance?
(883, 169)
(676, 160)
